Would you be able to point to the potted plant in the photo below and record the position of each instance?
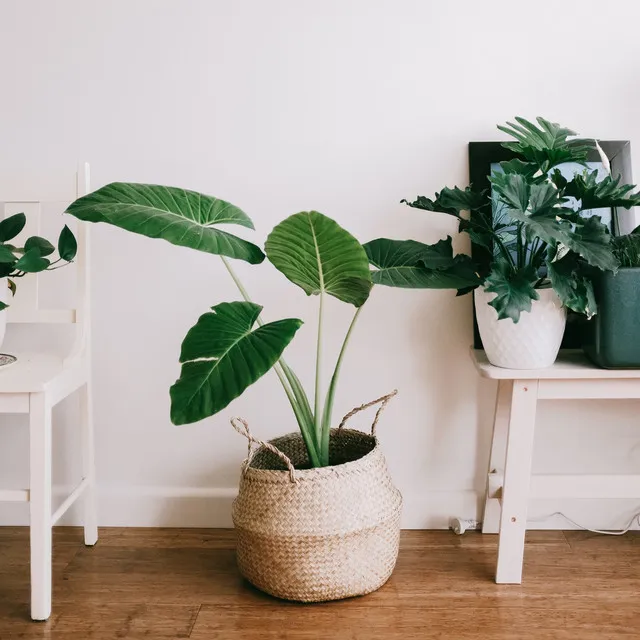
(33, 257)
(613, 336)
(317, 515)
(543, 240)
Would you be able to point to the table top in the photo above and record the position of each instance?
(570, 365)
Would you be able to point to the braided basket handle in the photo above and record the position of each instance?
(383, 401)
(242, 427)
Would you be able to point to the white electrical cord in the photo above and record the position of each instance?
(604, 533)
(461, 525)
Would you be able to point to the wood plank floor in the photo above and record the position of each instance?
(182, 583)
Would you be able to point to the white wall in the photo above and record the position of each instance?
(345, 106)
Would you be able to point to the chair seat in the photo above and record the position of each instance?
(33, 372)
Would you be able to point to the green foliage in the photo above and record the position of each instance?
(222, 355)
(414, 265)
(606, 193)
(451, 201)
(627, 249)
(33, 257)
(538, 235)
(574, 289)
(514, 289)
(67, 244)
(546, 145)
(317, 254)
(181, 217)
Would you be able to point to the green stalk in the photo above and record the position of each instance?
(295, 393)
(316, 408)
(328, 404)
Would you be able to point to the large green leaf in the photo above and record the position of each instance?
(546, 145)
(451, 201)
(222, 355)
(592, 241)
(514, 288)
(317, 254)
(182, 217)
(574, 290)
(538, 206)
(608, 192)
(414, 265)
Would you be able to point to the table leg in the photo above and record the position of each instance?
(517, 479)
(491, 517)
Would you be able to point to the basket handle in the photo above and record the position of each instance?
(242, 427)
(383, 401)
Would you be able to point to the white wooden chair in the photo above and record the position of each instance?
(37, 382)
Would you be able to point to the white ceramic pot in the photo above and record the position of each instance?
(531, 343)
(5, 296)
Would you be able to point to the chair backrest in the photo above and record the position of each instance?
(28, 194)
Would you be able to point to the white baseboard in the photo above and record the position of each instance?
(141, 506)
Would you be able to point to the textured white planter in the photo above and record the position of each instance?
(532, 343)
(5, 295)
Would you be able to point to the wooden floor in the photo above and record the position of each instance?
(182, 583)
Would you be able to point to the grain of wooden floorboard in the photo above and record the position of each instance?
(183, 583)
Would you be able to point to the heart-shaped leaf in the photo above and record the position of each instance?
(6, 255)
(10, 227)
(67, 244)
(182, 217)
(222, 355)
(31, 262)
(317, 254)
(42, 245)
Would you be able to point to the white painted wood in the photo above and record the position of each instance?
(492, 508)
(590, 389)
(571, 365)
(14, 403)
(517, 477)
(14, 495)
(88, 466)
(69, 500)
(37, 382)
(40, 505)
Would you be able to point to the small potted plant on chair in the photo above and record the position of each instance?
(544, 244)
(317, 516)
(33, 257)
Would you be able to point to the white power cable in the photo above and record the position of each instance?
(461, 525)
(604, 533)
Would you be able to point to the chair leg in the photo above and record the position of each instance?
(88, 466)
(492, 508)
(517, 480)
(40, 504)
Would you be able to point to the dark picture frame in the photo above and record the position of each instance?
(484, 154)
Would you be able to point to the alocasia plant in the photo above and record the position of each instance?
(229, 348)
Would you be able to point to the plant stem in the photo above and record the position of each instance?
(316, 407)
(282, 369)
(328, 405)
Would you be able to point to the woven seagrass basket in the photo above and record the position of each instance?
(317, 534)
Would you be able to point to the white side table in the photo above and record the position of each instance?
(509, 481)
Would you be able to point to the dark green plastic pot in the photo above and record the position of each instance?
(612, 336)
